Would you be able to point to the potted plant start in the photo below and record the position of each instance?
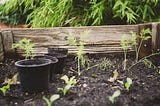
(33, 72)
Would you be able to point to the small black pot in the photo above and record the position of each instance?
(60, 64)
(52, 65)
(58, 50)
(34, 74)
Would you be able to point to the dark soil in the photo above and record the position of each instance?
(93, 87)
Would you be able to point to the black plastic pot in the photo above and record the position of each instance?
(34, 74)
(54, 60)
(58, 50)
(60, 64)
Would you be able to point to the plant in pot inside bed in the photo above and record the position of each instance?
(33, 73)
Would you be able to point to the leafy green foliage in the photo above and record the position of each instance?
(115, 94)
(125, 44)
(26, 45)
(82, 60)
(51, 100)
(128, 83)
(5, 88)
(123, 10)
(16, 11)
(70, 82)
(52, 13)
(144, 36)
(105, 63)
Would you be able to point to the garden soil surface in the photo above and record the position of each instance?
(93, 86)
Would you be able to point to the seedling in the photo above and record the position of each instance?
(82, 60)
(50, 101)
(5, 88)
(144, 35)
(70, 82)
(128, 83)
(115, 94)
(26, 45)
(125, 44)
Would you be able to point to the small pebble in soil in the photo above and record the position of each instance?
(16, 103)
(26, 93)
(85, 85)
(18, 82)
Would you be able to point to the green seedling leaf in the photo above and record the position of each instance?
(71, 81)
(128, 83)
(71, 41)
(115, 94)
(65, 89)
(51, 100)
(5, 88)
(26, 45)
(65, 78)
(54, 97)
(47, 101)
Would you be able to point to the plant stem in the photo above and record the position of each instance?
(125, 60)
(136, 49)
(79, 69)
(137, 54)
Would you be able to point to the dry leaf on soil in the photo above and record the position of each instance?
(115, 76)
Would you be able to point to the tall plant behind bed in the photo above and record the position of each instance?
(55, 13)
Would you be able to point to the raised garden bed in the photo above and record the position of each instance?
(95, 85)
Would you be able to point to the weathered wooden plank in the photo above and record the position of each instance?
(156, 37)
(100, 39)
(146, 48)
(7, 38)
(1, 48)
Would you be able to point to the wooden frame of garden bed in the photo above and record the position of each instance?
(101, 39)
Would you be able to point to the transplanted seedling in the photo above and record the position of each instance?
(5, 88)
(128, 83)
(125, 44)
(70, 82)
(115, 94)
(26, 45)
(52, 99)
(144, 35)
(82, 60)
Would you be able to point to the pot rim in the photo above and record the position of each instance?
(53, 59)
(19, 63)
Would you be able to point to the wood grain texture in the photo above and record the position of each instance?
(1, 49)
(156, 37)
(101, 39)
(7, 38)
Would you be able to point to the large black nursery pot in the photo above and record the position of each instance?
(34, 74)
(54, 60)
(61, 55)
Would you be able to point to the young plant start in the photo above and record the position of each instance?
(128, 83)
(115, 94)
(51, 100)
(70, 82)
(26, 45)
(125, 44)
(144, 35)
(5, 88)
(82, 60)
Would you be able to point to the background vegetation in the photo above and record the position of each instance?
(54, 13)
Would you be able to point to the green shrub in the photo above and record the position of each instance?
(53, 13)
